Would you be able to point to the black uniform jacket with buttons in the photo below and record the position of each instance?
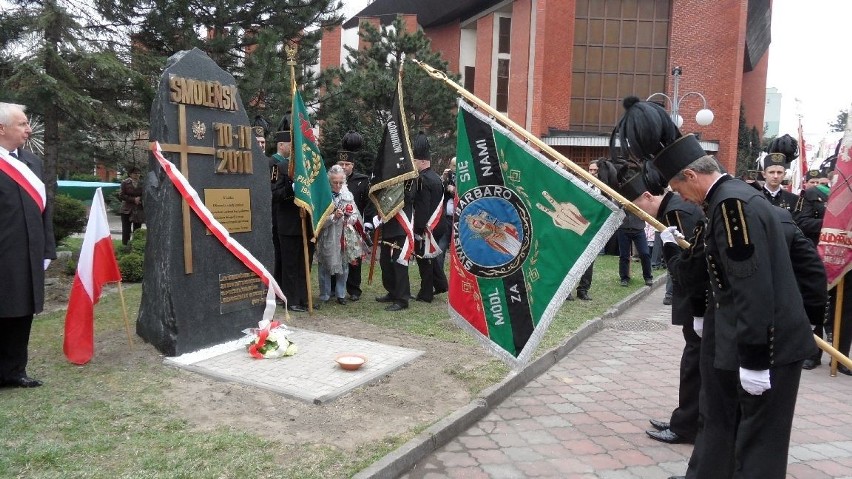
(760, 321)
(785, 199)
(686, 292)
(808, 268)
(813, 211)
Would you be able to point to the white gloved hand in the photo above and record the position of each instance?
(755, 382)
(377, 221)
(46, 263)
(670, 235)
(698, 325)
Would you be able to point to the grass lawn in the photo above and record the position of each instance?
(109, 419)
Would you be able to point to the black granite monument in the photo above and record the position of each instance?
(195, 292)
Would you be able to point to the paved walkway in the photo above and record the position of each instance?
(586, 416)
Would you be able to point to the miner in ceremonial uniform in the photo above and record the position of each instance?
(761, 330)
(395, 254)
(428, 224)
(646, 190)
(288, 223)
(261, 128)
(359, 186)
(782, 151)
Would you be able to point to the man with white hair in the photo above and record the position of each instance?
(26, 244)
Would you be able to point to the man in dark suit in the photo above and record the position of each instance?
(428, 224)
(288, 224)
(761, 333)
(646, 190)
(26, 245)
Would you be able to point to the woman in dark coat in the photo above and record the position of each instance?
(132, 211)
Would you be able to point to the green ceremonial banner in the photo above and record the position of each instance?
(524, 232)
(310, 181)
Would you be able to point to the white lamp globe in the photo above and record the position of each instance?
(678, 120)
(704, 117)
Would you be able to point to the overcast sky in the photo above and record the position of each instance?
(804, 61)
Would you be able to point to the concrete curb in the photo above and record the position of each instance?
(405, 457)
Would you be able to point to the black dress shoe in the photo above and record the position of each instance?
(667, 436)
(297, 308)
(659, 425)
(354, 297)
(811, 363)
(341, 300)
(423, 300)
(384, 299)
(440, 291)
(396, 307)
(843, 370)
(582, 295)
(23, 382)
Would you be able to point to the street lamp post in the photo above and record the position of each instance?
(704, 116)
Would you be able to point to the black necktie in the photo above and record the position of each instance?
(14, 154)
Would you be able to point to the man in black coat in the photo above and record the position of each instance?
(782, 151)
(761, 330)
(428, 224)
(809, 220)
(359, 186)
(396, 243)
(288, 223)
(670, 209)
(26, 245)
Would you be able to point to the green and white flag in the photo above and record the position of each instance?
(524, 232)
(310, 180)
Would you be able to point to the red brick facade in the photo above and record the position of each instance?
(706, 39)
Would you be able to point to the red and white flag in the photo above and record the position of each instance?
(96, 267)
(835, 238)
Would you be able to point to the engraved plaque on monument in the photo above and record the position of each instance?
(195, 292)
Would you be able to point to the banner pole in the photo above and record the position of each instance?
(126, 320)
(373, 255)
(838, 318)
(576, 169)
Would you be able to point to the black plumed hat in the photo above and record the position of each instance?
(421, 147)
(643, 131)
(350, 145)
(260, 126)
(782, 151)
(283, 132)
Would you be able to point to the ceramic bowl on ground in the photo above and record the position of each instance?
(350, 361)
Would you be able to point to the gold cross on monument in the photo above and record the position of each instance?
(186, 150)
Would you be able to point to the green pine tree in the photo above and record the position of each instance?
(245, 38)
(72, 67)
(360, 95)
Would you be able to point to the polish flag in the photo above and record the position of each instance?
(96, 267)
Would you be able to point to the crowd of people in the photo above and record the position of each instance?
(346, 239)
(748, 292)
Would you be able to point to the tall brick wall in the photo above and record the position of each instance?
(331, 48)
(554, 39)
(484, 50)
(374, 21)
(754, 94)
(446, 40)
(708, 42)
(520, 61)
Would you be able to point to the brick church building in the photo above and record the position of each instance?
(561, 68)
